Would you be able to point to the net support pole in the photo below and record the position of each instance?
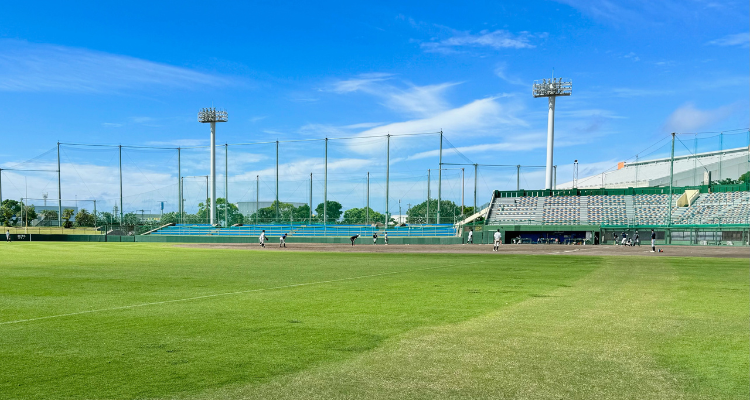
(554, 177)
(277, 180)
(695, 159)
(59, 187)
(311, 190)
(518, 177)
(226, 185)
(179, 185)
(440, 176)
(387, 175)
(721, 153)
(1, 186)
(462, 191)
(121, 212)
(428, 196)
(367, 210)
(325, 188)
(257, 197)
(671, 181)
(476, 168)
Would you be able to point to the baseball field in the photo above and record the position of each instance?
(158, 321)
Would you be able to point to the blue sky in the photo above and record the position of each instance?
(137, 74)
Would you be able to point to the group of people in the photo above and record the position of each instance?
(626, 241)
(497, 237)
(263, 238)
(374, 238)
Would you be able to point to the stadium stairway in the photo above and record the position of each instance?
(629, 209)
(539, 212)
(584, 210)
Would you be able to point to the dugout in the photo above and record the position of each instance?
(539, 234)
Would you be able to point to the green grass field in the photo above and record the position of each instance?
(136, 320)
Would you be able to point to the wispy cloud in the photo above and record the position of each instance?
(111, 125)
(413, 100)
(28, 67)
(502, 72)
(737, 39)
(688, 118)
(499, 39)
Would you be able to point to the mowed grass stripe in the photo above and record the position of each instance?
(183, 349)
(208, 296)
(635, 329)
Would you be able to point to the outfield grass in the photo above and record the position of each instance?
(138, 320)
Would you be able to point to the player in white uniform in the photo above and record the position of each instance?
(498, 238)
(385, 237)
(470, 239)
(262, 238)
(282, 240)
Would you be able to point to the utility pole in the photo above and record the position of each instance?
(387, 175)
(277, 180)
(257, 197)
(367, 210)
(311, 188)
(428, 196)
(226, 185)
(440, 176)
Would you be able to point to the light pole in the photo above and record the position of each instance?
(551, 88)
(212, 116)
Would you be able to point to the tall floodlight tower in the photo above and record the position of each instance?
(212, 116)
(551, 88)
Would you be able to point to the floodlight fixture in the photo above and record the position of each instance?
(212, 116)
(551, 88)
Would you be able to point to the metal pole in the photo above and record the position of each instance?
(59, 188)
(212, 210)
(94, 213)
(1, 187)
(636, 170)
(179, 186)
(695, 159)
(428, 196)
(440, 177)
(550, 141)
(671, 181)
(518, 177)
(226, 185)
(721, 153)
(554, 177)
(207, 198)
(121, 211)
(462, 191)
(367, 210)
(257, 197)
(277, 180)
(387, 174)
(475, 188)
(325, 189)
(311, 189)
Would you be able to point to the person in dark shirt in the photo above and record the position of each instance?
(374, 238)
(353, 238)
(653, 241)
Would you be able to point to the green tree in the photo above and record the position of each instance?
(302, 214)
(449, 212)
(67, 214)
(130, 219)
(744, 177)
(85, 218)
(170, 218)
(49, 215)
(359, 216)
(105, 218)
(29, 214)
(234, 217)
(333, 211)
(10, 212)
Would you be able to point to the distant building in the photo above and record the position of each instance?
(688, 171)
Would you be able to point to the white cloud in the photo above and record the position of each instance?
(499, 39)
(501, 72)
(28, 67)
(737, 39)
(525, 142)
(418, 101)
(688, 119)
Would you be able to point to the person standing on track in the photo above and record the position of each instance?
(374, 238)
(262, 238)
(653, 241)
(637, 239)
(470, 239)
(615, 239)
(353, 238)
(7, 235)
(282, 240)
(385, 237)
(498, 240)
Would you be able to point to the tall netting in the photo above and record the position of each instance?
(28, 192)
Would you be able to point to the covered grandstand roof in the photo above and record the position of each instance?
(688, 171)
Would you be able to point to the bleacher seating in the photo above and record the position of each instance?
(651, 209)
(275, 230)
(607, 210)
(562, 210)
(515, 210)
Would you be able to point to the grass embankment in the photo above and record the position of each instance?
(312, 325)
